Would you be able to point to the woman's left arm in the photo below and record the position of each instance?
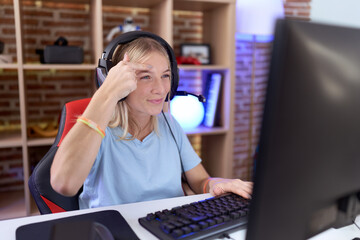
(197, 177)
(201, 182)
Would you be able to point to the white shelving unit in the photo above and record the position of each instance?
(218, 30)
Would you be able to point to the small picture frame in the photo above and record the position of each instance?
(196, 50)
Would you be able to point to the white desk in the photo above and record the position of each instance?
(131, 212)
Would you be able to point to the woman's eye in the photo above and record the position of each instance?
(145, 77)
(166, 76)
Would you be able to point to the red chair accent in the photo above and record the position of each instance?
(53, 207)
(46, 199)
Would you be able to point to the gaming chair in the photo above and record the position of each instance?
(46, 199)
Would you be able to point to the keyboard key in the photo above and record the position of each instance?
(203, 224)
(198, 218)
(218, 219)
(242, 213)
(210, 215)
(167, 227)
(150, 216)
(225, 217)
(186, 230)
(194, 227)
(211, 222)
(176, 223)
(184, 221)
(177, 233)
(166, 212)
(161, 216)
(234, 215)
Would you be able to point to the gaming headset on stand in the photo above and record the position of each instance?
(105, 64)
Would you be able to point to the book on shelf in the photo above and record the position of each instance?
(211, 93)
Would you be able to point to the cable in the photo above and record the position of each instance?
(182, 167)
(226, 235)
(356, 224)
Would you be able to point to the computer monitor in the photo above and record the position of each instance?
(307, 176)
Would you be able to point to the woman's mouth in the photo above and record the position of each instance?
(156, 101)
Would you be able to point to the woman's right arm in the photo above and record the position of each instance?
(78, 150)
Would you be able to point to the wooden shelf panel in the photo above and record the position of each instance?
(12, 205)
(186, 5)
(67, 1)
(199, 5)
(13, 139)
(59, 66)
(135, 4)
(206, 131)
(9, 66)
(40, 142)
(10, 139)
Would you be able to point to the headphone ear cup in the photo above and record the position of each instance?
(174, 81)
(100, 75)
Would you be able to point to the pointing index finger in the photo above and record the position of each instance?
(126, 57)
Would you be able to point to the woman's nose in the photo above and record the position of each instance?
(159, 86)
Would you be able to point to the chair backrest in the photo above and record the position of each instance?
(46, 199)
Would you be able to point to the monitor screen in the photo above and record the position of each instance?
(307, 176)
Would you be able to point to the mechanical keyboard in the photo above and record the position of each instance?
(208, 218)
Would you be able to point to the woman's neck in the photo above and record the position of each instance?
(144, 128)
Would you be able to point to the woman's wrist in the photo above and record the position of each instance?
(206, 184)
(106, 97)
(100, 109)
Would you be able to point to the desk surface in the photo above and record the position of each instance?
(131, 212)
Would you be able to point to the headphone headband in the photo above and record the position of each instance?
(105, 62)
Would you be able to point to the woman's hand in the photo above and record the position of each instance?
(121, 79)
(218, 186)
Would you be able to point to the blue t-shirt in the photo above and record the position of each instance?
(134, 171)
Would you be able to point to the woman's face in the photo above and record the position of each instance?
(153, 85)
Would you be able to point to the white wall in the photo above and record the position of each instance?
(337, 12)
(258, 16)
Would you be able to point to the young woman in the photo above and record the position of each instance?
(137, 157)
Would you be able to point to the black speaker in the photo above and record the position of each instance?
(63, 54)
(60, 52)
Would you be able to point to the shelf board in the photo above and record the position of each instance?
(68, 1)
(134, 4)
(12, 205)
(10, 139)
(200, 5)
(60, 66)
(202, 130)
(40, 142)
(9, 66)
(197, 5)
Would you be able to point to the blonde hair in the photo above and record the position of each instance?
(138, 50)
